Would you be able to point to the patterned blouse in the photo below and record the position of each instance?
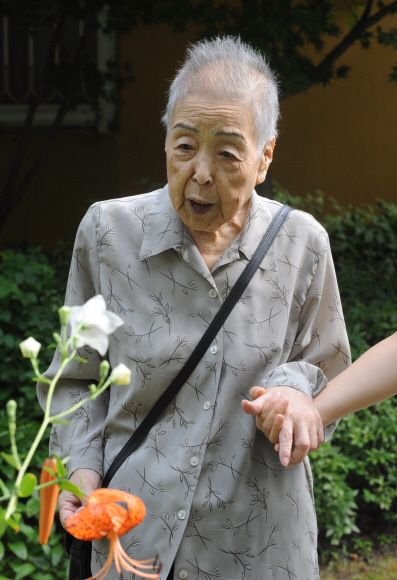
(218, 501)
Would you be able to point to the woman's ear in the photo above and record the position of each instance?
(266, 158)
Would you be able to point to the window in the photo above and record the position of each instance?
(23, 58)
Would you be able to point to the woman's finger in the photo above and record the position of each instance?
(286, 438)
(276, 428)
(273, 408)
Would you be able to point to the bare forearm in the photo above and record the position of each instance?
(372, 378)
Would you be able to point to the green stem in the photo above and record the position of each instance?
(12, 430)
(12, 505)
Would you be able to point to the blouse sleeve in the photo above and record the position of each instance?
(321, 348)
(81, 439)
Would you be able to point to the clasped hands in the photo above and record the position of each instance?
(289, 419)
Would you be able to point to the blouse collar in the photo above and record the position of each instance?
(165, 230)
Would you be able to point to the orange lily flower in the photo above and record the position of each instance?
(48, 501)
(103, 516)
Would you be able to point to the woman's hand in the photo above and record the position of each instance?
(288, 417)
(269, 411)
(68, 503)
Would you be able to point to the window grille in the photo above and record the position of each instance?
(23, 59)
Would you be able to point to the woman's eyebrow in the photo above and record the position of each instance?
(225, 134)
(182, 126)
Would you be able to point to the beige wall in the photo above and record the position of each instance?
(340, 139)
(155, 54)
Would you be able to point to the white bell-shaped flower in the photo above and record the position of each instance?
(30, 347)
(97, 323)
(121, 375)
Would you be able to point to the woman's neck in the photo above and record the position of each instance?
(211, 245)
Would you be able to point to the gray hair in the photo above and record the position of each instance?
(228, 67)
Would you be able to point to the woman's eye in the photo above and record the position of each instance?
(185, 147)
(228, 155)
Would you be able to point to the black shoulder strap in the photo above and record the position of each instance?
(212, 330)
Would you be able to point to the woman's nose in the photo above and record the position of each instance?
(202, 173)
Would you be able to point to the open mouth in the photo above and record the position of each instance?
(199, 208)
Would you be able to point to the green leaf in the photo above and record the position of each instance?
(69, 486)
(28, 484)
(4, 578)
(47, 550)
(10, 459)
(57, 554)
(22, 570)
(49, 470)
(80, 359)
(13, 521)
(19, 549)
(60, 467)
(4, 489)
(32, 507)
(3, 523)
(2, 550)
(29, 532)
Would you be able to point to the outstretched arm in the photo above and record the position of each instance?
(370, 379)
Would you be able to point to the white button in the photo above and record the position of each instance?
(181, 514)
(212, 293)
(207, 405)
(214, 349)
(194, 461)
(182, 574)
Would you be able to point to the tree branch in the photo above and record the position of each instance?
(365, 22)
(367, 10)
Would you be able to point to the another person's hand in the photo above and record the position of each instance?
(269, 411)
(68, 503)
(291, 416)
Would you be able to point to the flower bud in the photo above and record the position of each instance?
(30, 348)
(48, 501)
(11, 408)
(121, 375)
(64, 313)
(12, 416)
(104, 369)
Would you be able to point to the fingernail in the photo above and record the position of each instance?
(284, 461)
(278, 395)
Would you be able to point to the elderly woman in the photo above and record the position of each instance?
(220, 504)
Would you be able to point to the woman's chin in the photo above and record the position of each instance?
(201, 223)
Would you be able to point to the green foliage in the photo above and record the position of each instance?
(31, 290)
(355, 476)
(21, 556)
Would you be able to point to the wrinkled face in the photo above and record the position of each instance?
(212, 160)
